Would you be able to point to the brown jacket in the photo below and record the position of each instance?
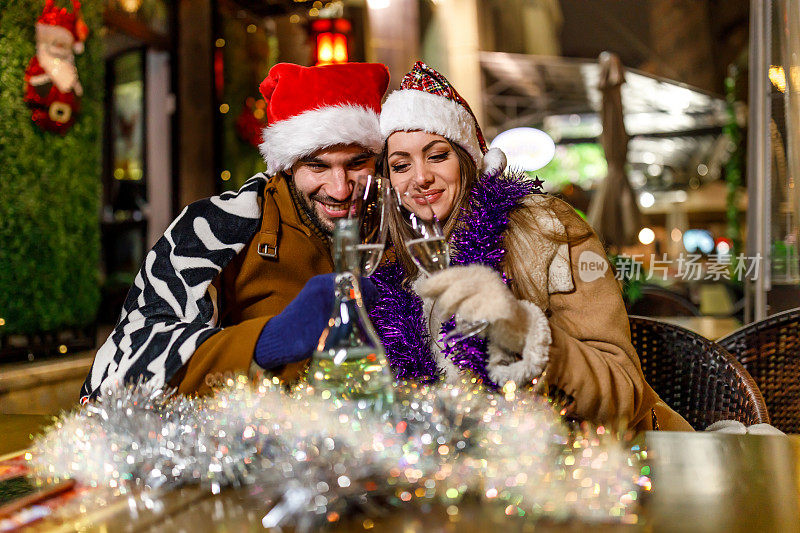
(251, 289)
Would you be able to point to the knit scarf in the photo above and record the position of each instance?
(477, 238)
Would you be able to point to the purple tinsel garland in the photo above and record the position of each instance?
(478, 238)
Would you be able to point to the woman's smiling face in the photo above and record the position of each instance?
(426, 163)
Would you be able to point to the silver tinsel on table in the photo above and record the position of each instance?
(312, 459)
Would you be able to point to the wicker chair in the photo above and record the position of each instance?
(770, 351)
(657, 301)
(695, 376)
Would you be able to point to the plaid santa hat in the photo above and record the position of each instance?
(310, 108)
(427, 102)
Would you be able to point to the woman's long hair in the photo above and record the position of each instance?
(576, 230)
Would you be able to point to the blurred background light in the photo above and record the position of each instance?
(654, 170)
(646, 199)
(778, 78)
(526, 148)
(724, 246)
(646, 236)
(698, 240)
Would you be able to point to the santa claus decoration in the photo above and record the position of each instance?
(52, 89)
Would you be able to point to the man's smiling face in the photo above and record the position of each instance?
(325, 180)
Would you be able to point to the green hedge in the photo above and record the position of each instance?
(49, 186)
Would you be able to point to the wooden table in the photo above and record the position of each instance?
(717, 482)
(701, 482)
(16, 431)
(43, 387)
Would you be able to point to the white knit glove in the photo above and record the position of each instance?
(737, 428)
(519, 334)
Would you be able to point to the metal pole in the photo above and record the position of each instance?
(758, 163)
(789, 33)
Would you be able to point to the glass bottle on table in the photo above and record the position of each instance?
(350, 361)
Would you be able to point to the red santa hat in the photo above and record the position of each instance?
(58, 20)
(426, 101)
(310, 108)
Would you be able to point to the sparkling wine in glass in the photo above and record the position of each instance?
(368, 205)
(429, 253)
(425, 241)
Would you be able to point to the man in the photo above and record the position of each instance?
(239, 278)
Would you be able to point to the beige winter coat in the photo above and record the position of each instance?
(591, 359)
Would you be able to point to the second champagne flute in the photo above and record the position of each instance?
(426, 243)
(368, 205)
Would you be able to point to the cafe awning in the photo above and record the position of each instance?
(524, 90)
(676, 131)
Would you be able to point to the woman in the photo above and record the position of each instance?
(517, 257)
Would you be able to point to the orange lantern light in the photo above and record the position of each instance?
(339, 48)
(324, 48)
(331, 40)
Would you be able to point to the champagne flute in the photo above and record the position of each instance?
(425, 241)
(368, 205)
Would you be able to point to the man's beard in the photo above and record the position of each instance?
(309, 206)
(62, 71)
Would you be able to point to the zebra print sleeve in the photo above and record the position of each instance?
(171, 307)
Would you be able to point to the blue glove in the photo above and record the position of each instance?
(293, 334)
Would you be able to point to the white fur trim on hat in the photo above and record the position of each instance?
(289, 140)
(494, 162)
(413, 110)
